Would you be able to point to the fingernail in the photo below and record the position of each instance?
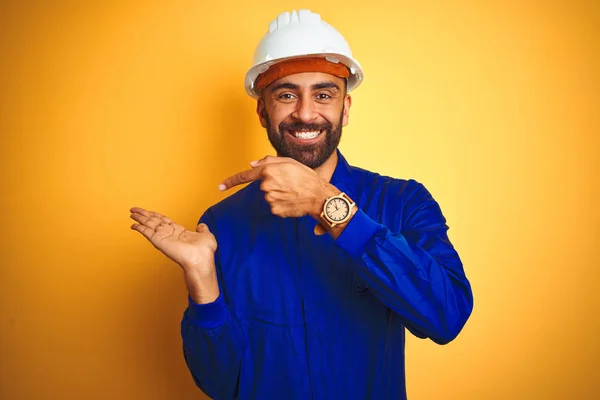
(253, 163)
(222, 187)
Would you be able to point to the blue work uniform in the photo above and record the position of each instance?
(302, 316)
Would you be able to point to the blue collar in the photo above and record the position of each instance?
(342, 174)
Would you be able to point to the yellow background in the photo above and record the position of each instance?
(493, 105)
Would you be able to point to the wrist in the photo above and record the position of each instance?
(201, 264)
(337, 230)
(202, 284)
(334, 226)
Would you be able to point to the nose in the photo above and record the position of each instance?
(305, 110)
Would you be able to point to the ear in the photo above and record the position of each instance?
(260, 110)
(347, 105)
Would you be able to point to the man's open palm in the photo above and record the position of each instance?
(186, 248)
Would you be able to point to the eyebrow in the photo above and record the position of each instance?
(284, 85)
(325, 85)
(316, 86)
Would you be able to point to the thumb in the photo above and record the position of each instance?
(201, 228)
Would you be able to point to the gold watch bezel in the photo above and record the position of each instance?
(331, 223)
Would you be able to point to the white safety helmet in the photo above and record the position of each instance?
(301, 34)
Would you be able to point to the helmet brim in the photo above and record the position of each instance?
(354, 79)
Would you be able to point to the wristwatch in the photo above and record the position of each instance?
(336, 210)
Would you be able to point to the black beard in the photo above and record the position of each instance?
(311, 155)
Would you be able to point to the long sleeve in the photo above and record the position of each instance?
(213, 343)
(417, 273)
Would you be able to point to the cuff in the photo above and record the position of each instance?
(357, 233)
(209, 315)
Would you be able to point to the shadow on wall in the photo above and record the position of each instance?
(158, 304)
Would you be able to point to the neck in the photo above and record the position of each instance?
(325, 171)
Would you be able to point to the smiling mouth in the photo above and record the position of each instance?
(305, 135)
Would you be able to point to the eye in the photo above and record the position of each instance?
(323, 96)
(286, 96)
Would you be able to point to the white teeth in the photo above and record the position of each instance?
(306, 135)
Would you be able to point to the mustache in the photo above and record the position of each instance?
(298, 126)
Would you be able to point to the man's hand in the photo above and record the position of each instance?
(292, 189)
(193, 251)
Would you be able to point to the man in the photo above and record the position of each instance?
(302, 283)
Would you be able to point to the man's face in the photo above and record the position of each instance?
(304, 115)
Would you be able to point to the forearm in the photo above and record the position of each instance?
(213, 338)
(213, 346)
(201, 281)
(420, 277)
(430, 293)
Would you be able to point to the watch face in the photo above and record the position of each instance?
(337, 209)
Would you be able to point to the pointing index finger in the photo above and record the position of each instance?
(241, 177)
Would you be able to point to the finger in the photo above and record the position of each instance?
(158, 217)
(269, 160)
(201, 228)
(154, 214)
(144, 230)
(270, 197)
(145, 213)
(165, 227)
(241, 177)
(163, 218)
(146, 219)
